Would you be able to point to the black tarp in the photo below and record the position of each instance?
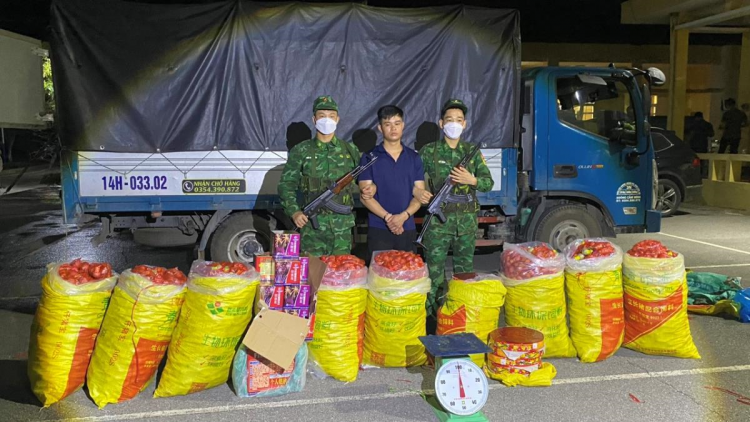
(134, 77)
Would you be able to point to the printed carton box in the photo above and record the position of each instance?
(288, 271)
(285, 244)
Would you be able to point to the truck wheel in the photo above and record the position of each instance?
(563, 224)
(240, 237)
(669, 197)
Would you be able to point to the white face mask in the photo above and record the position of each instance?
(453, 130)
(326, 126)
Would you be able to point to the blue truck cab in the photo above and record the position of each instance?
(586, 167)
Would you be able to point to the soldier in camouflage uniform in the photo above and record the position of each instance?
(310, 169)
(459, 230)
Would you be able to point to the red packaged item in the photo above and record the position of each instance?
(273, 296)
(265, 266)
(79, 272)
(288, 271)
(286, 244)
(524, 261)
(297, 296)
(160, 275)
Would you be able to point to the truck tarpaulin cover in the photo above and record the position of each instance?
(134, 77)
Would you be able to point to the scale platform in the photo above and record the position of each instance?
(463, 344)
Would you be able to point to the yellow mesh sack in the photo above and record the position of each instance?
(593, 286)
(63, 334)
(339, 330)
(656, 320)
(539, 303)
(395, 317)
(215, 315)
(472, 306)
(134, 337)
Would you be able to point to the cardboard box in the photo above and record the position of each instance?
(288, 271)
(265, 266)
(304, 272)
(285, 244)
(297, 296)
(276, 336)
(268, 332)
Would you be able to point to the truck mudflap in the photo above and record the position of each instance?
(653, 221)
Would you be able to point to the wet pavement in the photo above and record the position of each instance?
(629, 386)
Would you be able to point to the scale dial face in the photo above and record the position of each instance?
(461, 387)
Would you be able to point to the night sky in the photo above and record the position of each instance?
(557, 21)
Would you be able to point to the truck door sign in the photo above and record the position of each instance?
(628, 192)
(213, 186)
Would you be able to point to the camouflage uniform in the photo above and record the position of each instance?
(310, 169)
(459, 230)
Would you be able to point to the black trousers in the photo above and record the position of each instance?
(384, 240)
(732, 143)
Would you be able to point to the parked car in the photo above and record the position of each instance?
(679, 170)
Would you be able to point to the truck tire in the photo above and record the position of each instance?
(163, 237)
(563, 224)
(239, 237)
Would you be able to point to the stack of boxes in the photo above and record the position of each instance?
(284, 274)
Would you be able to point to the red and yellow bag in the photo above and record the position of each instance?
(472, 305)
(593, 285)
(395, 317)
(533, 273)
(655, 285)
(135, 334)
(65, 327)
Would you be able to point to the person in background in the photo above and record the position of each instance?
(310, 169)
(732, 123)
(459, 230)
(396, 173)
(701, 133)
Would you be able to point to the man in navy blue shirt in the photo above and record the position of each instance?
(397, 171)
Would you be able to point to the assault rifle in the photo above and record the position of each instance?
(325, 199)
(444, 196)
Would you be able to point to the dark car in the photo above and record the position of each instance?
(679, 170)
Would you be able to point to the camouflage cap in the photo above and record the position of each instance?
(325, 102)
(454, 103)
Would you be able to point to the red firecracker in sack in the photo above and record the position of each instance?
(529, 260)
(160, 275)
(651, 249)
(593, 249)
(81, 272)
(399, 261)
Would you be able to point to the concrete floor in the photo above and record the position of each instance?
(629, 386)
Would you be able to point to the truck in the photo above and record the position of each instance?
(21, 88)
(176, 127)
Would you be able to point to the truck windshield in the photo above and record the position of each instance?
(596, 109)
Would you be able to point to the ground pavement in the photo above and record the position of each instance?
(629, 386)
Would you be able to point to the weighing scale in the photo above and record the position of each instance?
(461, 388)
